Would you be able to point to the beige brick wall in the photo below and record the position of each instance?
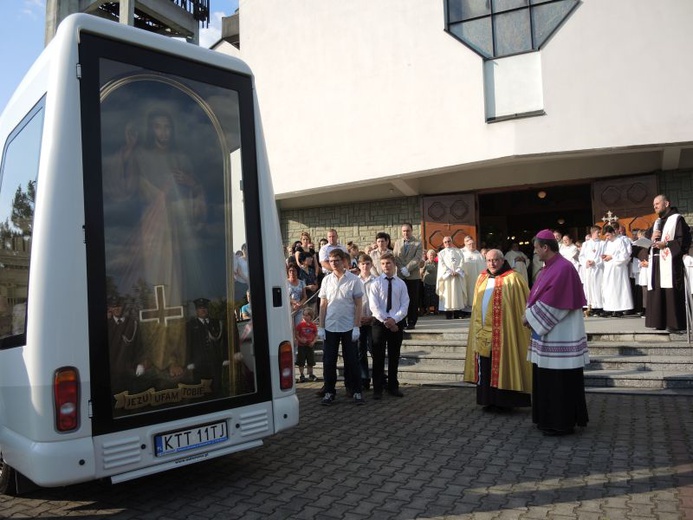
(358, 222)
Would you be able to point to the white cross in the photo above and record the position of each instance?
(160, 312)
(610, 218)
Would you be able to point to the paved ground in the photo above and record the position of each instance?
(430, 455)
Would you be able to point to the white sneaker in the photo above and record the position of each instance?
(358, 398)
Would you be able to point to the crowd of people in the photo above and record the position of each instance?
(526, 347)
(364, 300)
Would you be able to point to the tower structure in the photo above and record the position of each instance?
(179, 18)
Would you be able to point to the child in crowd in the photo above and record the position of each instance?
(247, 310)
(306, 333)
(354, 252)
(428, 277)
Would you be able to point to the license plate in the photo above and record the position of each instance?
(184, 440)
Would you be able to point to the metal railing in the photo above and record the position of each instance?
(198, 8)
(308, 301)
(689, 304)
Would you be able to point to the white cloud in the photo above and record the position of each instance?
(34, 8)
(212, 34)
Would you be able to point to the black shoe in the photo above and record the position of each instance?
(395, 393)
(675, 331)
(410, 327)
(557, 433)
(328, 399)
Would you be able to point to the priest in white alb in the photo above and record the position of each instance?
(450, 286)
(593, 267)
(518, 261)
(474, 265)
(616, 282)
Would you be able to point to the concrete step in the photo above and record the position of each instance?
(433, 361)
(434, 347)
(426, 336)
(623, 357)
(622, 336)
(669, 348)
(654, 379)
(680, 364)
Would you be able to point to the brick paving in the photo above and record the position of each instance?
(430, 455)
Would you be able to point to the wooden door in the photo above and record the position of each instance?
(448, 215)
(629, 199)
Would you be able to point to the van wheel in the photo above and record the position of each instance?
(8, 483)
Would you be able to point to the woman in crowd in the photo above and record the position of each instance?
(297, 293)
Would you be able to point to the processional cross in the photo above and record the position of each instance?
(610, 218)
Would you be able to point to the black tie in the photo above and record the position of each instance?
(389, 294)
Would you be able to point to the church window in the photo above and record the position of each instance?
(498, 28)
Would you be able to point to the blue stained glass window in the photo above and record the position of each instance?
(498, 28)
(547, 17)
(500, 6)
(512, 31)
(459, 10)
(476, 33)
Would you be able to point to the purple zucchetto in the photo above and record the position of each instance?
(546, 234)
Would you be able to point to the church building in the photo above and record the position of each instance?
(493, 118)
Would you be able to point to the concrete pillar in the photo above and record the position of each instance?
(127, 12)
(56, 12)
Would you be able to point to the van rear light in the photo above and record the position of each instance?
(66, 399)
(286, 365)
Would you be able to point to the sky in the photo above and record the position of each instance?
(22, 26)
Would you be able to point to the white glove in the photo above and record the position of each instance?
(225, 363)
(321, 333)
(139, 370)
(355, 334)
(191, 366)
(404, 271)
